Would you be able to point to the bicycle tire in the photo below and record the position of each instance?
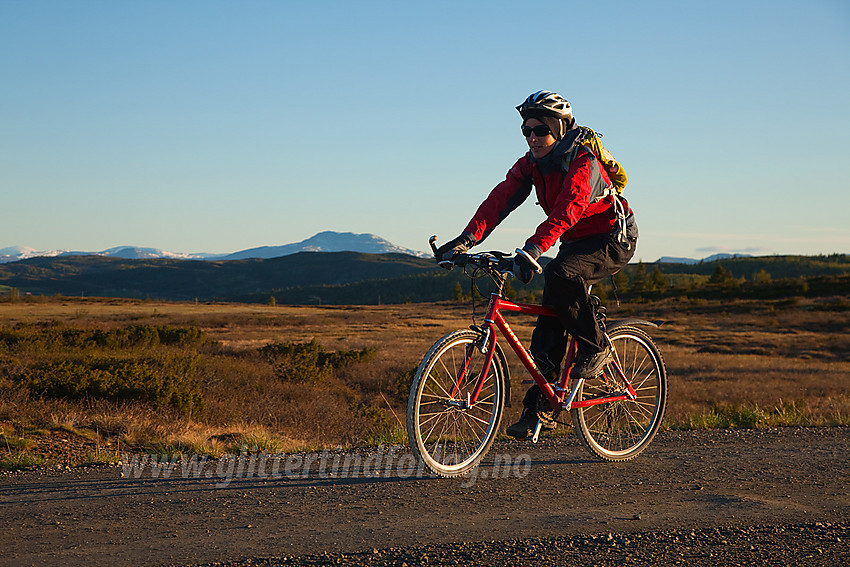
(621, 430)
(448, 438)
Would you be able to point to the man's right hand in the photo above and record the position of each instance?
(457, 245)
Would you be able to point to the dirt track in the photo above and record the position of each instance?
(774, 497)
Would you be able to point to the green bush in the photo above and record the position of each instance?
(52, 336)
(166, 381)
(400, 387)
(310, 362)
(54, 361)
(150, 335)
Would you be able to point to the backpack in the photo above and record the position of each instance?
(590, 139)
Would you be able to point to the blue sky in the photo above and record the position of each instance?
(212, 126)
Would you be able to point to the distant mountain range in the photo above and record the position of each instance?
(15, 253)
(713, 258)
(355, 278)
(327, 241)
(303, 277)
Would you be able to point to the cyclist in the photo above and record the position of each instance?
(596, 228)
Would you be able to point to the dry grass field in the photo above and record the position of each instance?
(739, 363)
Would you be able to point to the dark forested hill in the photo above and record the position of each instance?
(195, 279)
(776, 266)
(352, 278)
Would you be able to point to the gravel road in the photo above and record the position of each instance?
(750, 497)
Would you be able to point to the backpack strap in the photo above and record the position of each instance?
(620, 226)
(600, 189)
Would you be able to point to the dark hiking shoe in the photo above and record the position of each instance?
(524, 428)
(590, 365)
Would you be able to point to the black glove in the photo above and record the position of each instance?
(458, 245)
(525, 262)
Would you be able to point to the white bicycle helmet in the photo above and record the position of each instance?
(546, 103)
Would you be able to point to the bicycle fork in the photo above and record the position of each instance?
(487, 347)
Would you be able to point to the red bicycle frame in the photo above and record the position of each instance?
(554, 393)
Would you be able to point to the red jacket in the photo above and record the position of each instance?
(571, 200)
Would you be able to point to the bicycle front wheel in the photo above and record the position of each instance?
(619, 431)
(448, 431)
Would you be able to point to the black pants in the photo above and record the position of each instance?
(578, 264)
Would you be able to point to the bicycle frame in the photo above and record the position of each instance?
(554, 393)
(462, 385)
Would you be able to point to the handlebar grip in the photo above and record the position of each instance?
(537, 267)
(460, 259)
(447, 264)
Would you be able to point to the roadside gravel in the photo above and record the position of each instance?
(697, 498)
(803, 545)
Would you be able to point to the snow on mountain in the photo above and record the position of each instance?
(676, 260)
(15, 253)
(712, 258)
(327, 241)
(135, 253)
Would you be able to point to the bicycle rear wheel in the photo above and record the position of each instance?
(445, 432)
(619, 431)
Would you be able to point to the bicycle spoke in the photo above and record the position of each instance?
(431, 417)
(621, 429)
(471, 418)
(451, 436)
(427, 436)
(446, 392)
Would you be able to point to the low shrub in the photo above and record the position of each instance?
(52, 336)
(310, 362)
(50, 360)
(400, 386)
(164, 381)
(151, 335)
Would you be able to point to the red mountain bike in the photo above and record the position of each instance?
(461, 386)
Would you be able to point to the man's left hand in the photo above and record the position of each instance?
(525, 262)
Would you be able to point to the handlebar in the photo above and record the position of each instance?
(448, 264)
(493, 261)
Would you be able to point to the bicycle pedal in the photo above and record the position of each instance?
(537, 429)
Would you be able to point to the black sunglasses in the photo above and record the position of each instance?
(539, 130)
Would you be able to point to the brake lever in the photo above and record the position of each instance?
(446, 264)
(534, 264)
(431, 241)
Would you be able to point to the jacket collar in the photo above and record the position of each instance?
(553, 160)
